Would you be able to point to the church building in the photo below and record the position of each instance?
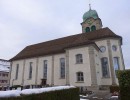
(87, 60)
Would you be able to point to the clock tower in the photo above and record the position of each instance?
(91, 21)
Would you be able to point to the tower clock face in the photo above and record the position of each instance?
(89, 21)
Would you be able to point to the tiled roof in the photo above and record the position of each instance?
(59, 45)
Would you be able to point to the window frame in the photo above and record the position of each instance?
(30, 70)
(87, 29)
(118, 64)
(80, 76)
(17, 70)
(106, 68)
(93, 28)
(62, 68)
(79, 58)
(45, 63)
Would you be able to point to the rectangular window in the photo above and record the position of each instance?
(62, 68)
(105, 69)
(80, 77)
(3, 75)
(79, 59)
(6, 81)
(6, 75)
(116, 64)
(45, 69)
(30, 70)
(17, 70)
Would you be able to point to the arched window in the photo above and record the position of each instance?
(80, 76)
(87, 29)
(93, 28)
(17, 71)
(45, 69)
(105, 67)
(30, 70)
(79, 59)
(116, 64)
(62, 68)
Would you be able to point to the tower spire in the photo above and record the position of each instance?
(89, 4)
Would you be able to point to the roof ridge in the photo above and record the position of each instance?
(56, 39)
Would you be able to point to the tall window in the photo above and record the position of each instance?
(105, 69)
(30, 70)
(93, 28)
(80, 77)
(79, 58)
(17, 70)
(87, 29)
(45, 69)
(62, 67)
(116, 64)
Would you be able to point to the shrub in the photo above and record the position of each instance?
(114, 88)
(66, 94)
(124, 84)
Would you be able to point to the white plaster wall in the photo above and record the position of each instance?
(73, 67)
(20, 72)
(98, 66)
(117, 53)
(108, 81)
(57, 79)
(28, 81)
(85, 67)
(40, 69)
(104, 81)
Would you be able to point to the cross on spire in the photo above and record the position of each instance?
(89, 4)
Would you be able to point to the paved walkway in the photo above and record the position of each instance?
(99, 95)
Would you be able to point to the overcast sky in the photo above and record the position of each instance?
(26, 22)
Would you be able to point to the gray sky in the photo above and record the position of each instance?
(26, 22)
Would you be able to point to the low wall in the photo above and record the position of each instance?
(64, 94)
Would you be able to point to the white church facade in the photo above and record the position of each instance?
(89, 59)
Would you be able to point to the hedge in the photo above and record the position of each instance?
(124, 84)
(66, 94)
(114, 88)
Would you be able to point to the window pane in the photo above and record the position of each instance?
(87, 29)
(30, 70)
(116, 64)
(80, 76)
(105, 69)
(93, 28)
(45, 69)
(62, 68)
(82, 79)
(17, 69)
(79, 58)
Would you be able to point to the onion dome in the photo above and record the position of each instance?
(89, 14)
